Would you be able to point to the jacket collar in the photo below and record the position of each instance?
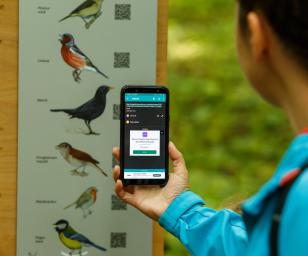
(295, 157)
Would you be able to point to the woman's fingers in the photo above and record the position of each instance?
(116, 177)
(124, 195)
(116, 173)
(116, 153)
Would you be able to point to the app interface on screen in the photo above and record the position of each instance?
(145, 128)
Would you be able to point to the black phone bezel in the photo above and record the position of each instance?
(143, 89)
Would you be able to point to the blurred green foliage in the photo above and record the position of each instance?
(230, 138)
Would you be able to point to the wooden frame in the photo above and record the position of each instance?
(9, 114)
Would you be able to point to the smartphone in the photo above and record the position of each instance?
(144, 135)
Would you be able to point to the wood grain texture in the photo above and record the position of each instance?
(8, 124)
(9, 115)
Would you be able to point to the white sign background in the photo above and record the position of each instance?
(46, 82)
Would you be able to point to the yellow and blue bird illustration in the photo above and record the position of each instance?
(72, 239)
(88, 11)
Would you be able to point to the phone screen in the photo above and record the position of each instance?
(145, 136)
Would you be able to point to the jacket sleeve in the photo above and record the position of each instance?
(202, 230)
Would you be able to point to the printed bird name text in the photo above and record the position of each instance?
(43, 60)
(45, 159)
(39, 239)
(45, 201)
(42, 100)
(42, 9)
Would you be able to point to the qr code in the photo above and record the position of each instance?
(121, 60)
(123, 11)
(117, 204)
(118, 240)
(114, 162)
(32, 254)
(116, 112)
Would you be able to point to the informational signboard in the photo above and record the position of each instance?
(74, 57)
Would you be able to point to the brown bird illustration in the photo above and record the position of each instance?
(78, 159)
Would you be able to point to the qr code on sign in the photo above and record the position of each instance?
(118, 240)
(123, 11)
(121, 60)
(117, 204)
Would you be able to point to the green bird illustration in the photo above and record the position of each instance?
(85, 201)
(73, 240)
(88, 11)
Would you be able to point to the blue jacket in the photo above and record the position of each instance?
(205, 231)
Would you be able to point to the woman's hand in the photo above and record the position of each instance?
(154, 200)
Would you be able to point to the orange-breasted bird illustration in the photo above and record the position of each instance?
(75, 58)
(88, 11)
(85, 201)
(78, 159)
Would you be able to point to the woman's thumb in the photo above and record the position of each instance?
(177, 159)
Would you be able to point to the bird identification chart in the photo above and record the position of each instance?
(74, 57)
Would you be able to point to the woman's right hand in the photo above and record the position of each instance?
(154, 200)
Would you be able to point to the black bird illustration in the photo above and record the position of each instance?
(90, 110)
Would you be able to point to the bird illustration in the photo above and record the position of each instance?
(72, 239)
(75, 58)
(78, 159)
(90, 110)
(85, 201)
(88, 11)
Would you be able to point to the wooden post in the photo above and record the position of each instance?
(158, 243)
(9, 116)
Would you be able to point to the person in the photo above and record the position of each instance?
(272, 44)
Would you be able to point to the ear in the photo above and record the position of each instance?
(258, 35)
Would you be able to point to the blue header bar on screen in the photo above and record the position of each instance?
(145, 97)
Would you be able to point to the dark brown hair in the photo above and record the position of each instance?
(288, 19)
